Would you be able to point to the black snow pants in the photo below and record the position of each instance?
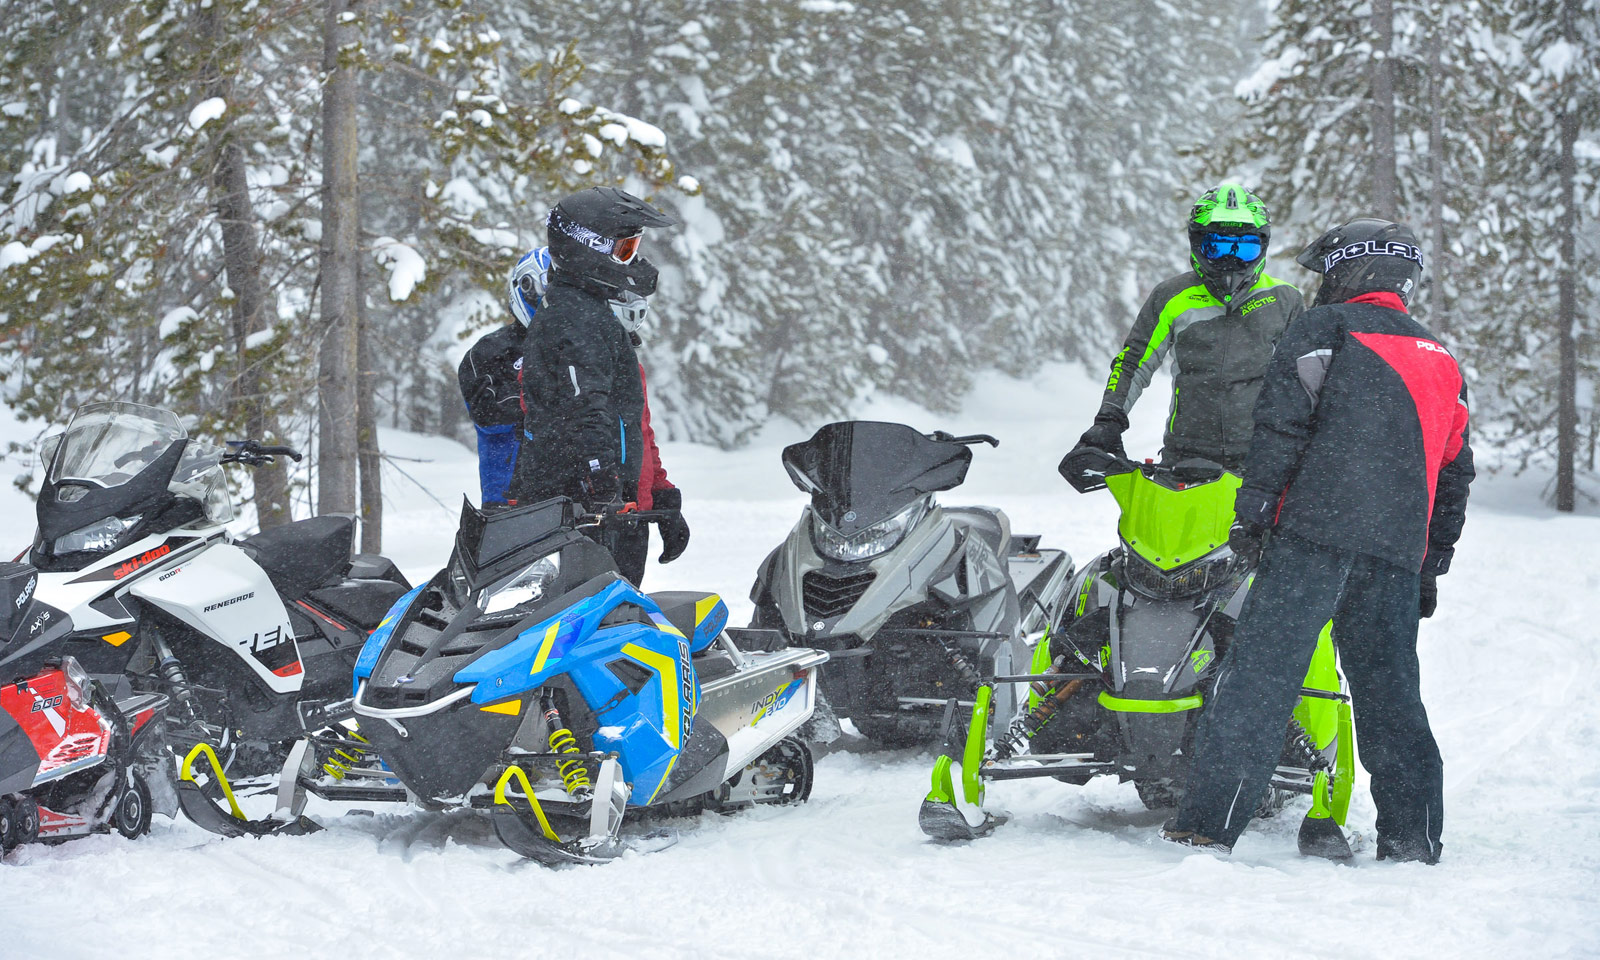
(1374, 608)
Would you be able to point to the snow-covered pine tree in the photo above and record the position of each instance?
(126, 293)
(1546, 342)
(1475, 154)
(903, 191)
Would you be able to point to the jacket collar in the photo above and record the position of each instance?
(1382, 298)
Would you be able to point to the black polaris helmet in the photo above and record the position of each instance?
(594, 238)
(1365, 256)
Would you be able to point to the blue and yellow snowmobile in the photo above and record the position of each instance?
(1132, 654)
(529, 679)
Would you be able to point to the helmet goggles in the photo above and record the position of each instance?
(1245, 248)
(624, 249)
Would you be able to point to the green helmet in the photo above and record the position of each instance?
(1228, 234)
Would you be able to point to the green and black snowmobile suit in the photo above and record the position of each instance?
(1219, 355)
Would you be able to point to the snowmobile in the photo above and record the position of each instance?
(915, 602)
(1132, 656)
(530, 679)
(251, 639)
(73, 761)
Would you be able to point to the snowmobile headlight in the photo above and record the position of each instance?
(868, 542)
(77, 683)
(100, 535)
(524, 588)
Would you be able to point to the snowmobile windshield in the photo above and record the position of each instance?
(108, 444)
(485, 539)
(860, 472)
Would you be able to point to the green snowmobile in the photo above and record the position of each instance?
(1118, 684)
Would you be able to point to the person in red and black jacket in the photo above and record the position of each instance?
(1358, 469)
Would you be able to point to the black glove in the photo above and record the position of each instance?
(1247, 540)
(1106, 432)
(674, 531)
(1429, 595)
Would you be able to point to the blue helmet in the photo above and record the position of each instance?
(527, 282)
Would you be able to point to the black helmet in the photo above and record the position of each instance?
(594, 239)
(1228, 234)
(1365, 256)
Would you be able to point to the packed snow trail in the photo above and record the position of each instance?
(1510, 666)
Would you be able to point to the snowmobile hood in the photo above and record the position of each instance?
(860, 472)
(1170, 526)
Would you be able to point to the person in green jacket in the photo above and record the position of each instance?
(1219, 321)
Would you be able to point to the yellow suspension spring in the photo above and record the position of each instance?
(574, 775)
(345, 757)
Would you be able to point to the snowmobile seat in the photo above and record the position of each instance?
(303, 555)
(988, 524)
(374, 566)
(363, 602)
(698, 616)
(712, 665)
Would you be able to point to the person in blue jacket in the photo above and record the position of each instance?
(490, 381)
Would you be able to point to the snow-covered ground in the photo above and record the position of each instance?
(1511, 668)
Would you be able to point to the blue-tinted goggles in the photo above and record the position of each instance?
(1215, 246)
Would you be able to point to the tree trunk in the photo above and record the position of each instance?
(367, 435)
(1438, 313)
(338, 442)
(1566, 311)
(247, 399)
(1384, 201)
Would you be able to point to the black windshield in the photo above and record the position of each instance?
(486, 538)
(859, 472)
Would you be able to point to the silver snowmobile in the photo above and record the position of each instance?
(915, 602)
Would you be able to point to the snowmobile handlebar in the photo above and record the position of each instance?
(1086, 468)
(626, 513)
(969, 439)
(252, 453)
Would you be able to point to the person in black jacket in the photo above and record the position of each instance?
(1358, 469)
(583, 426)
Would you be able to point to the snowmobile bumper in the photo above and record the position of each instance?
(199, 807)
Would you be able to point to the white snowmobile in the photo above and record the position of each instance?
(253, 639)
(915, 602)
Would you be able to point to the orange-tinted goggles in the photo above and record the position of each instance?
(624, 249)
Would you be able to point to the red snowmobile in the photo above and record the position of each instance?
(72, 760)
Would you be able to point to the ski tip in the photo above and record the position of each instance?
(1321, 837)
(943, 823)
